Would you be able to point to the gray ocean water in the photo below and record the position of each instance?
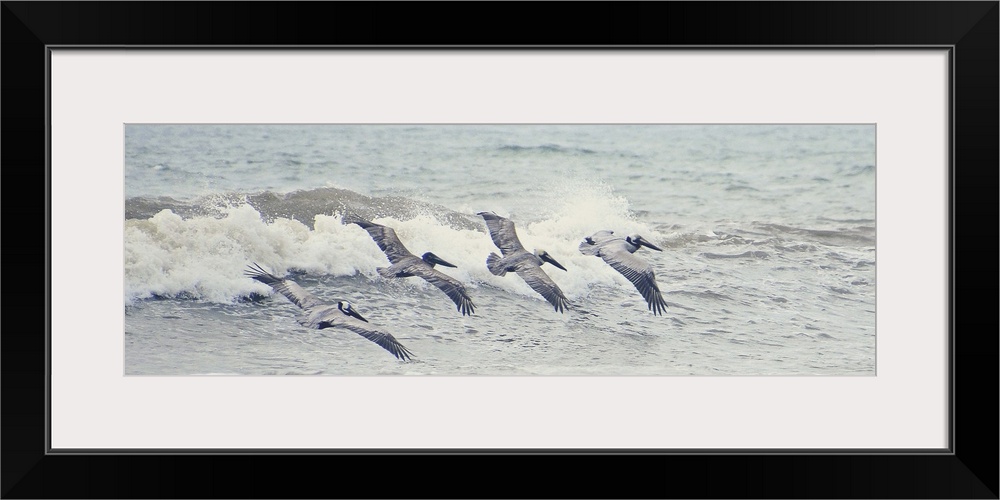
(767, 231)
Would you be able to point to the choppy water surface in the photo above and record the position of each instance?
(768, 237)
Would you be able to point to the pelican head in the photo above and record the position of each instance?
(542, 254)
(590, 239)
(346, 308)
(637, 240)
(432, 259)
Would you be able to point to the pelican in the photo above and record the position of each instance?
(320, 315)
(405, 264)
(516, 258)
(617, 252)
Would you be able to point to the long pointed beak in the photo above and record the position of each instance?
(550, 260)
(350, 310)
(434, 259)
(650, 245)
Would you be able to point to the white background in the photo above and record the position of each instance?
(94, 93)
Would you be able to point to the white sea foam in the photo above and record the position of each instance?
(204, 257)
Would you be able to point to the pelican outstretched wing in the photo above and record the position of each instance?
(502, 232)
(383, 339)
(290, 289)
(592, 244)
(540, 282)
(331, 317)
(450, 286)
(386, 238)
(636, 270)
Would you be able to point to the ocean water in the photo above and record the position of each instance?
(767, 231)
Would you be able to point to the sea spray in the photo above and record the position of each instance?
(203, 256)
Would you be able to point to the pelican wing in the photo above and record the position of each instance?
(383, 339)
(540, 282)
(290, 289)
(450, 286)
(331, 317)
(502, 232)
(387, 240)
(638, 271)
(591, 245)
(601, 236)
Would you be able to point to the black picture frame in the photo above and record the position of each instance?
(969, 470)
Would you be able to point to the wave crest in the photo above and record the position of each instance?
(199, 250)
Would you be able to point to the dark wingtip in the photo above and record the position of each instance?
(258, 273)
(658, 307)
(402, 353)
(562, 306)
(356, 219)
(467, 308)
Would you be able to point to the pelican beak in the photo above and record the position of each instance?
(354, 313)
(434, 259)
(647, 244)
(548, 258)
(350, 310)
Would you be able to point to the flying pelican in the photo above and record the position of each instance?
(320, 315)
(405, 264)
(516, 258)
(617, 252)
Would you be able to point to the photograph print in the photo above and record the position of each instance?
(500, 250)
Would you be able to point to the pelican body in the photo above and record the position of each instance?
(516, 259)
(617, 252)
(320, 315)
(405, 264)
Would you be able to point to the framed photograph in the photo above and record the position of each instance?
(696, 252)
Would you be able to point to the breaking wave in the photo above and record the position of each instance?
(198, 250)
